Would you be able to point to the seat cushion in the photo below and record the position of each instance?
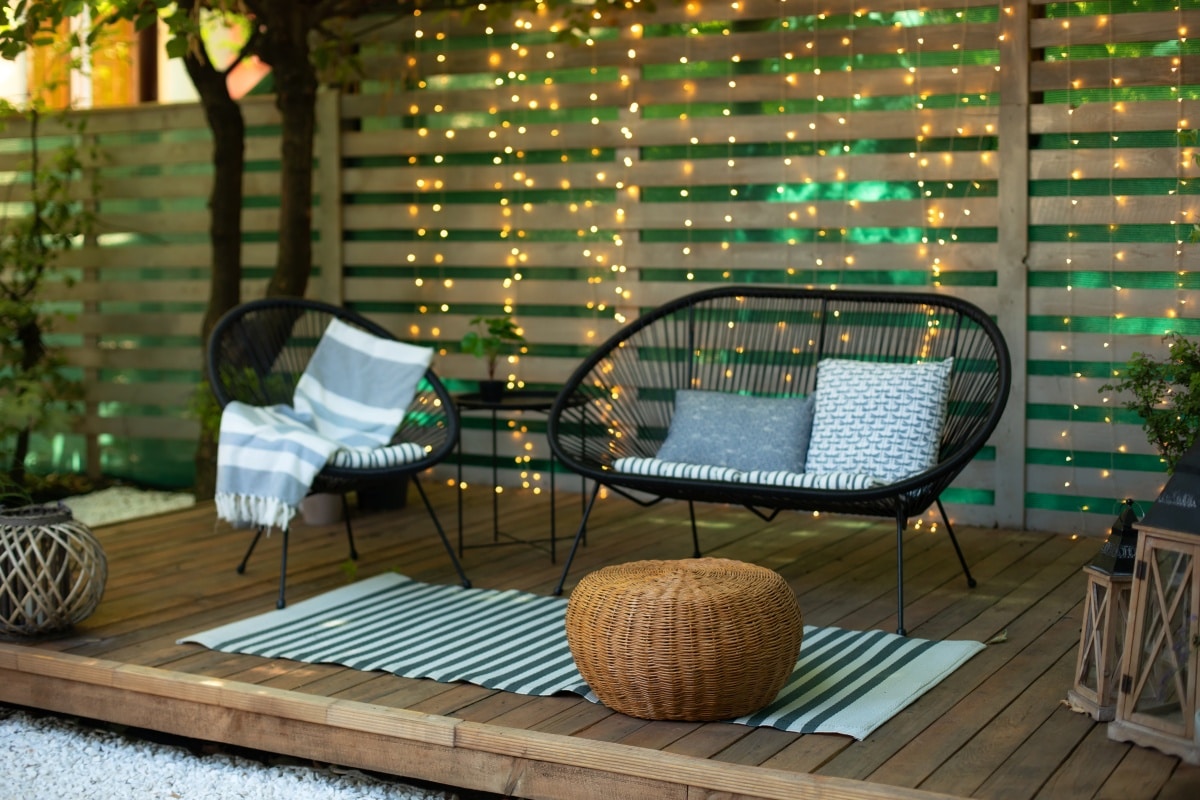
(793, 480)
(738, 431)
(878, 419)
(391, 455)
(675, 469)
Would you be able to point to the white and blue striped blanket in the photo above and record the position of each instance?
(347, 405)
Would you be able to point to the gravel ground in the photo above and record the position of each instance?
(44, 757)
(49, 757)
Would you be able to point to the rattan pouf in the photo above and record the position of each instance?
(696, 639)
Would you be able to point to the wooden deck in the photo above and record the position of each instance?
(996, 728)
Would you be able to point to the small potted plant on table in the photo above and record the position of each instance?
(489, 338)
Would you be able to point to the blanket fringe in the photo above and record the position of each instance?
(240, 509)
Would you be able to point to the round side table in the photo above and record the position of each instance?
(511, 400)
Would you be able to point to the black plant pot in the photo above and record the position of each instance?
(491, 391)
(384, 496)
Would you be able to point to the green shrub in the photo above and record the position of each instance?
(1166, 395)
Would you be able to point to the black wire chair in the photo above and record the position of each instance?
(768, 341)
(258, 352)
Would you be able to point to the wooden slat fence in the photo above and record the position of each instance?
(1024, 156)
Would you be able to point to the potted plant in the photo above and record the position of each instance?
(489, 338)
(1166, 395)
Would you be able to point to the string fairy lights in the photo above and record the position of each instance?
(583, 180)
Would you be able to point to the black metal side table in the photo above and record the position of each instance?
(511, 400)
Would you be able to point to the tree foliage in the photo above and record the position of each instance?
(303, 42)
(36, 393)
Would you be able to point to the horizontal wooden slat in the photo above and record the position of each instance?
(781, 87)
(1103, 74)
(1112, 28)
(430, 182)
(733, 215)
(1116, 117)
(747, 255)
(970, 123)
(173, 256)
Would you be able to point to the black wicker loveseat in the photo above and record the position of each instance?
(749, 358)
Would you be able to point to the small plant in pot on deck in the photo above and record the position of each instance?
(1166, 395)
(490, 338)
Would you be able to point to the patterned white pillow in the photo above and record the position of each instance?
(878, 419)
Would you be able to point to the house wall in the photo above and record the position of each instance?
(1023, 156)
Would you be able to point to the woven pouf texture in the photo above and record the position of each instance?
(696, 639)
(52, 570)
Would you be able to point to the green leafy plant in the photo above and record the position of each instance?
(12, 495)
(36, 392)
(1165, 393)
(203, 406)
(492, 337)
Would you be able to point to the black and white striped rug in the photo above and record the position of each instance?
(847, 682)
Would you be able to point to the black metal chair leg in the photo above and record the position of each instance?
(282, 601)
(954, 540)
(349, 530)
(901, 524)
(462, 576)
(695, 533)
(579, 534)
(241, 568)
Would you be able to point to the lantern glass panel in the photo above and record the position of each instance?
(1162, 683)
(1107, 608)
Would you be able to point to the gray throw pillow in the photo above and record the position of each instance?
(739, 431)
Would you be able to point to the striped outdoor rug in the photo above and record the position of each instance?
(847, 682)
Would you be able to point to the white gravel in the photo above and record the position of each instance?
(44, 757)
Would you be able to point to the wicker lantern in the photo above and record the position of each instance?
(52, 570)
(1160, 668)
(1105, 613)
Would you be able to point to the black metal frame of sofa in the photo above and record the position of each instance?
(768, 340)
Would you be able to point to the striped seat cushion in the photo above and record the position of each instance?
(378, 457)
(813, 480)
(795, 480)
(676, 469)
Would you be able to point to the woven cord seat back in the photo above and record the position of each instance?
(696, 639)
(768, 342)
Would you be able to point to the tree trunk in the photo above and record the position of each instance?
(225, 226)
(286, 51)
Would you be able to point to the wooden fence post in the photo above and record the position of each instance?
(1012, 276)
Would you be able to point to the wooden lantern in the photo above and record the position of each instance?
(52, 570)
(1105, 614)
(1160, 667)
